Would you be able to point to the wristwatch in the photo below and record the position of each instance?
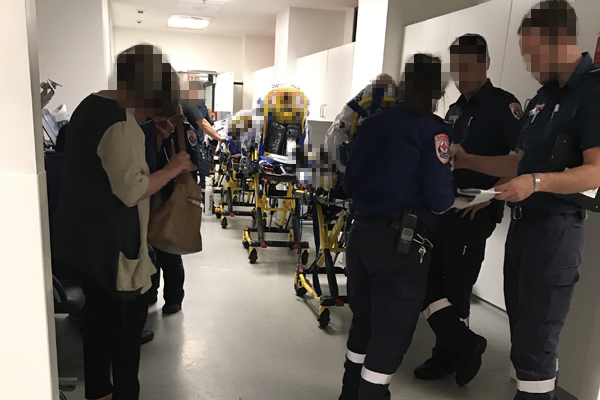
(537, 180)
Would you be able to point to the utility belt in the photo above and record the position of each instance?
(518, 213)
(412, 233)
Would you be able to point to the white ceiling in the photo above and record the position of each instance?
(233, 17)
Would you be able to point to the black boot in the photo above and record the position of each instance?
(468, 360)
(440, 364)
(146, 336)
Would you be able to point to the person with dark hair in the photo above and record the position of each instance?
(159, 144)
(195, 110)
(486, 121)
(399, 176)
(101, 220)
(558, 158)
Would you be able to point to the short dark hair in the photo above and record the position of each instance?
(471, 43)
(422, 81)
(553, 17)
(143, 71)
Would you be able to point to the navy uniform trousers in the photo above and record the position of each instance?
(456, 262)
(543, 254)
(386, 291)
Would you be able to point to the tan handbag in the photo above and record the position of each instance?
(174, 225)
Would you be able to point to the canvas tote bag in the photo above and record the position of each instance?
(174, 225)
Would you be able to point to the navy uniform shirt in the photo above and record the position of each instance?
(486, 125)
(399, 159)
(159, 158)
(572, 109)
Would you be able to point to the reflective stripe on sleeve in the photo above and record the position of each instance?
(435, 307)
(375, 377)
(536, 386)
(355, 357)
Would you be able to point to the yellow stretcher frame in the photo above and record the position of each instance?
(286, 105)
(386, 100)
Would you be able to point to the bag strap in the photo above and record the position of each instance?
(181, 138)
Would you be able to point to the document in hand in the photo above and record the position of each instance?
(479, 196)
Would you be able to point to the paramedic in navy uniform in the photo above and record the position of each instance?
(545, 242)
(399, 162)
(486, 121)
(159, 139)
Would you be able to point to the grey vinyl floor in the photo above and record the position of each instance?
(243, 334)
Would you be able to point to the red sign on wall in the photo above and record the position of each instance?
(597, 56)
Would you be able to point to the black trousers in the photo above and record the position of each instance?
(111, 331)
(173, 275)
(458, 252)
(386, 291)
(543, 254)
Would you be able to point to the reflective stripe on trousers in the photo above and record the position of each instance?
(435, 307)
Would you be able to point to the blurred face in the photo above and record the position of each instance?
(543, 57)
(469, 72)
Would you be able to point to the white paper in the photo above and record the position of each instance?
(590, 193)
(478, 197)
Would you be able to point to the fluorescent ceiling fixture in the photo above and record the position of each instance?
(184, 22)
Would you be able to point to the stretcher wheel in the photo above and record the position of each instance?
(218, 215)
(324, 318)
(304, 257)
(224, 223)
(253, 256)
(300, 291)
(246, 245)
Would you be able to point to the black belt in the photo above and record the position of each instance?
(518, 213)
(392, 223)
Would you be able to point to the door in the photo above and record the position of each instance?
(311, 75)
(224, 95)
(339, 80)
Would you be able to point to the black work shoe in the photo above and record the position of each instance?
(469, 359)
(152, 301)
(433, 369)
(146, 337)
(171, 308)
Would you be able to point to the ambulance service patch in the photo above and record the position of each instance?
(516, 110)
(192, 138)
(442, 148)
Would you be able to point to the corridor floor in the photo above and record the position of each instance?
(243, 334)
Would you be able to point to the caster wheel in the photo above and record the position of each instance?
(253, 256)
(218, 215)
(304, 257)
(300, 291)
(246, 245)
(224, 223)
(324, 318)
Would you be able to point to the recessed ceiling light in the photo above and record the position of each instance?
(184, 22)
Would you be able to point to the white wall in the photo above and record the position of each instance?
(259, 53)
(189, 51)
(312, 31)
(282, 39)
(380, 33)
(349, 26)
(28, 367)
(301, 32)
(370, 42)
(73, 47)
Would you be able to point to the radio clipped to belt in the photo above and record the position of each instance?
(408, 235)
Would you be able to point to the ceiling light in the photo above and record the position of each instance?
(181, 21)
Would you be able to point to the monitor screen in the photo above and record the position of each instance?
(49, 125)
